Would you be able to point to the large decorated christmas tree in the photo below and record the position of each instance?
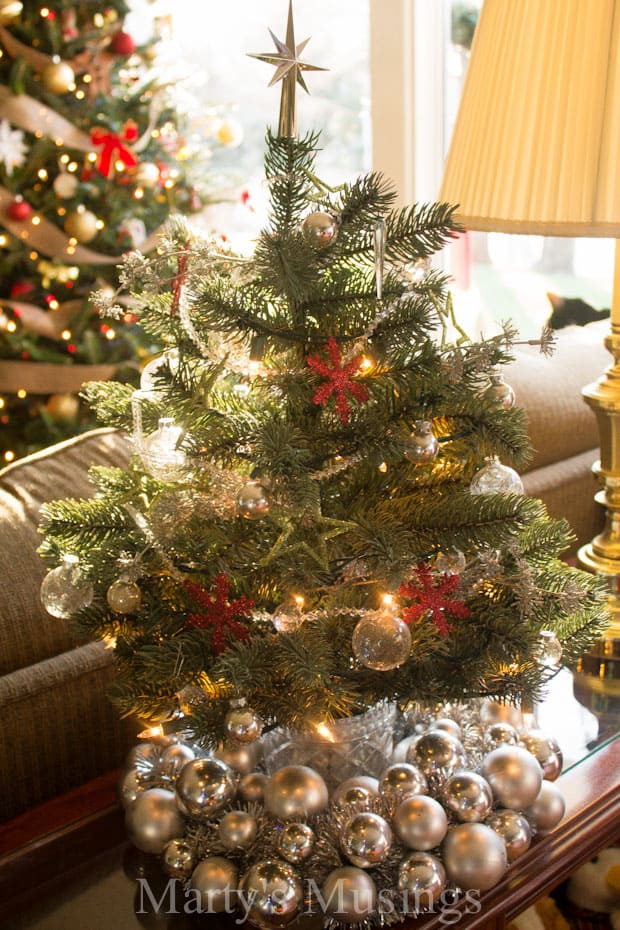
(320, 570)
(93, 159)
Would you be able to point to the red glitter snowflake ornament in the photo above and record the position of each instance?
(338, 380)
(431, 597)
(219, 612)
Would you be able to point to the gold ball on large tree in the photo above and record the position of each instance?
(295, 792)
(58, 77)
(153, 820)
(63, 408)
(215, 880)
(81, 225)
(474, 856)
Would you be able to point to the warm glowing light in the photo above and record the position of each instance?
(98, 20)
(91, 157)
(73, 273)
(9, 456)
(45, 12)
(3, 240)
(87, 78)
(138, 193)
(155, 134)
(109, 641)
(64, 159)
(72, 166)
(254, 368)
(111, 334)
(79, 95)
(57, 142)
(366, 363)
(169, 184)
(53, 304)
(383, 467)
(33, 256)
(36, 220)
(388, 600)
(299, 601)
(66, 334)
(42, 173)
(151, 732)
(71, 249)
(323, 730)
(11, 326)
(99, 224)
(61, 211)
(2, 403)
(22, 393)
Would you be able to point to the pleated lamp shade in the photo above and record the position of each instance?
(536, 144)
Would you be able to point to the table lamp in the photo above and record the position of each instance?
(536, 149)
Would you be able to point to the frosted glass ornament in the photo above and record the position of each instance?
(124, 596)
(162, 458)
(64, 591)
(495, 478)
(381, 641)
(550, 650)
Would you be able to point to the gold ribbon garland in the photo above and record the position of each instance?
(29, 114)
(50, 378)
(48, 323)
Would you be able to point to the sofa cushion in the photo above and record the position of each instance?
(560, 423)
(28, 634)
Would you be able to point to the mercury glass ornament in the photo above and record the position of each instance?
(289, 616)
(514, 775)
(216, 880)
(253, 501)
(237, 829)
(153, 820)
(421, 881)
(124, 596)
(498, 734)
(162, 457)
(242, 723)
(359, 789)
(420, 822)
(549, 653)
(468, 796)
(178, 859)
(64, 590)
(319, 229)
(495, 478)
(547, 809)
(252, 787)
(295, 792)
(381, 641)
(474, 856)
(437, 754)
(204, 787)
(349, 894)
(366, 839)
(514, 829)
(400, 781)
(241, 758)
(500, 391)
(274, 892)
(296, 842)
(421, 445)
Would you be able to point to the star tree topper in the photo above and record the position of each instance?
(289, 68)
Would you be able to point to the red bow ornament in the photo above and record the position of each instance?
(113, 147)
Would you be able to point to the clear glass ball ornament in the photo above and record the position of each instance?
(253, 500)
(421, 445)
(124, 596)
(289, 616)
(500, 391)
(495, 478)
(451, 562)
(162, 457)
(381, 641)
(319, 228)
(550, 650)
(64, 590)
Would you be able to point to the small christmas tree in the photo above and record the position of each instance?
(92, 162)
(315, 532)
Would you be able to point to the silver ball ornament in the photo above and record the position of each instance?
(500, 391)
(537, 744)
(514, 829)
(253, 501)
(174, 758)
(420, 822)
(366, 839)
(547, 809)
(421, 877)
(296, 842)
(552, 767)
(129, 786)
(468, 796)
(275, 892)
(153, 819)
(494, 712)
(421, 445)
(499, 734)
(240, 758)
(474, 856)
(437, 754)
(64, 590)
(402, 748)
(401, 780)
(550, 649)
(448, 726)
(495, 478)
(216, 880)
(381, 641)
(124, 596)
(252, 787)
(178, 859)
(237, 829)
(295, 792)
(243, 724)
(514, 775)
(204, 787)
(359, 789)
(350, 894)
(319, 229)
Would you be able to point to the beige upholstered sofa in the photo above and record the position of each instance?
(57, 728)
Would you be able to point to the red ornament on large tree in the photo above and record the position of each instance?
(122, 44)
(19, 210)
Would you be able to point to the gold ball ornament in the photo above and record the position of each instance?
(514, 775)
(216, 879)
(204, 787)
(350, 894)
(58, 77)
(366, 839)
(420, 822)
(153, 820)
(402, 780)
(65, 185)
(468, 796)
(359, 789)
(514, 829)
(63, 408)
(275, 892)
(243, 724)
(146, 174)
(10, 11)
(253, 501)
(178, 859)
(124, 596)
(295, 792)
(474, 856)
(547, 809)
(320, 229)
(422, 878)
(81, 224)
(237, 830)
